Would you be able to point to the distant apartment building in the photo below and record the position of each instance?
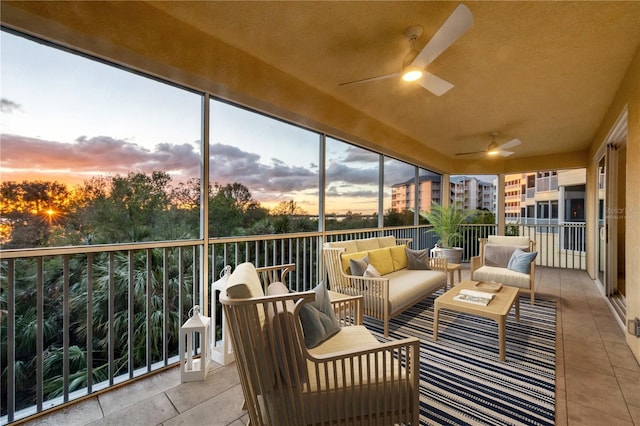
(551, 206)
(536, 198)
(429, 191)
(470, 193)
(545, 198)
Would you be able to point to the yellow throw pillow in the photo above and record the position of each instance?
(399, 257)
(381, 260)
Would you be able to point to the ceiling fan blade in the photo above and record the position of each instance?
(380, 77)
(511, 143)
(469, 153)
(434, 84)
(505, 153)
(456, 24)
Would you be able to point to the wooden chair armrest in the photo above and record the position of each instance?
(476, 263)
(306, 296)
(349, 309)
(394, 345)
(370, 286)
(276, 273)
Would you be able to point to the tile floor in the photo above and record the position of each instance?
(598, 379)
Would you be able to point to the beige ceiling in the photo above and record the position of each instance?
(543, 72)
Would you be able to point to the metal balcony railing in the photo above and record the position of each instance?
(79, 320)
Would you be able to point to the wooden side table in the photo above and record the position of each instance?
(451, 267)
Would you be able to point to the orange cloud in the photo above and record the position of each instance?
(32, 158)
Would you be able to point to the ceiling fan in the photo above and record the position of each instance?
(414, 63)
(494, 149)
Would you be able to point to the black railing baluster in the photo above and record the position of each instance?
(559, 245)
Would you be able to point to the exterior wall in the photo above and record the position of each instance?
(427, 195)
(513, 196)
(571, 177)
(628, 95)
(400, 198)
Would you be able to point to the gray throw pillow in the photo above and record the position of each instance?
(521, 261)
(498, 255)
(371, 271)
(358, 266)
(417, 259)
(318, 320)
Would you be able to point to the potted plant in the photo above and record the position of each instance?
(445, 223)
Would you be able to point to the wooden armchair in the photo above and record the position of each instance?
(350, 378)
(492, 262)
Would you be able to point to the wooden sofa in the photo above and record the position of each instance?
(397, 289)
(350, 378)
(492, 262)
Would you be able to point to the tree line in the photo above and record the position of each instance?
(137, 207)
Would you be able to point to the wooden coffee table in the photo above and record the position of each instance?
(497, 309)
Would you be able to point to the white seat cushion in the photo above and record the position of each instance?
(351, 337)
(502, 275)
(407, 287)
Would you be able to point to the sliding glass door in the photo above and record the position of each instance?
(611, 214)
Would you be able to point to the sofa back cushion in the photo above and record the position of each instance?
(291, 361)
(508, 240)
(367, 244)
(388, 241)
(244, 282)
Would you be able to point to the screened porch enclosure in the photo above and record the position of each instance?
(115, 327)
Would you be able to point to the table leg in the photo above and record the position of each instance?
(460, 275)
(436, 308)
(518, 308)
(502, 344)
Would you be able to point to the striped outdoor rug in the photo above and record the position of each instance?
(462, 381)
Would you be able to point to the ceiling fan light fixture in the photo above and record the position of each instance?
(411, 74)
(493, 148)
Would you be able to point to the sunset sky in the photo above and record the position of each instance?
(68, 118)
